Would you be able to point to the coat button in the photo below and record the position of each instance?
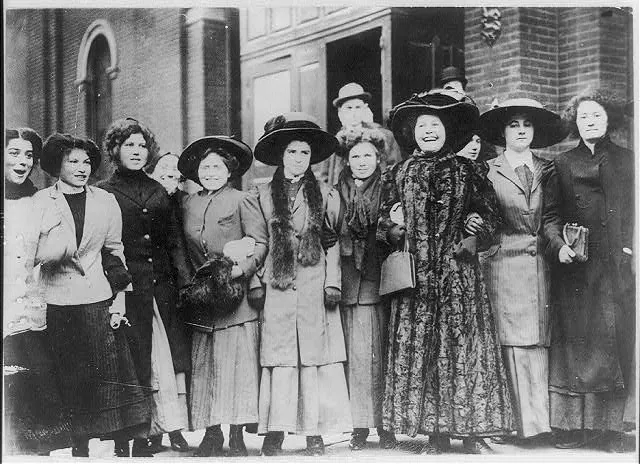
(150, 260)
(145, 210)
(532, 252)
(146, 236)
(154, 281)
(294, 287)
(299, 255)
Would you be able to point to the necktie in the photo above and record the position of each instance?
(526, 178)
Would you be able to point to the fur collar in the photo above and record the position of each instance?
(283, 233)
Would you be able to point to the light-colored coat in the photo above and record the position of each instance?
(71, 274)
(296, 328)
(514, 269)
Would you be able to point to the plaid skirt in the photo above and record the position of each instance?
(96, 373)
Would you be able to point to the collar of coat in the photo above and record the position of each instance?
(283, 234)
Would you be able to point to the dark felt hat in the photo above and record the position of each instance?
(459, 116)
(451, 73)
(349, 91)
(547, 125)
(57, 144)
(192, 155)
(284, 128)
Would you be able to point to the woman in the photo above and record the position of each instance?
(593, 331)
(36, 420)
(364, 316)
(164, 169)
(302, 387)
(77, 224)
(225, 376)
(445, 375)
(514, 268)
(155, 256)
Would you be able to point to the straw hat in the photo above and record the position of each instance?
(349, 91)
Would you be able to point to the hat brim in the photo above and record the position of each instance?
(364, 96)
(270, 147)
(462, 118)
(547, 126)
(453, 78)
(190, 158)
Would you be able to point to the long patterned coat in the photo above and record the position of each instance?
(445, 372)
(514, 269)
(593, 329)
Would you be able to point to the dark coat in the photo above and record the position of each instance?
(593, 327)
(154, 250)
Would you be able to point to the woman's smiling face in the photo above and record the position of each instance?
(18, 160)
(430, 133)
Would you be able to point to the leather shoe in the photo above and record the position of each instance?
(155, 444)
(140, 448)
(80, 449)
(272, 444)
(358, 440)
(315, 446)
(236, 441)
(614, 442)
(121, 448)
(211, 444)
(476, 446)
(178, 443)
(387, 440)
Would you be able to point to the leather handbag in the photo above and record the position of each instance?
(577, 237)
(398, 271)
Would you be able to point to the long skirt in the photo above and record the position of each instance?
(225, 376)
(169, 400)
(35, 417)
(364, 334)
(97, 376)
(587, 411)
(528, 373)
(307, 400)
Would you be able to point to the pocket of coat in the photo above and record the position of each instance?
(490, 253)
(226, 220)
(582, 202)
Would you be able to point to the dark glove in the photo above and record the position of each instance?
(396, 233)
(332, 296)
(329, 237)
(466, 248)
(256, 297)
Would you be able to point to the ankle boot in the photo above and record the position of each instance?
(212, 442)
(315, 445)
(140, 448)
(272, 444)
(155, 444)
(358, 439)
(236, 441)
(178, 443)
(387, 438)
(121, 447)
(80, 448)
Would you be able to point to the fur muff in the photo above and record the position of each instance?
(283, 234)
(212, 292)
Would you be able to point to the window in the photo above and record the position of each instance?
(98, 90)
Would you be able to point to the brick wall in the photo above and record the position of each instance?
(549, 54)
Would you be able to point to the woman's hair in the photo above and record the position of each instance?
(27, 134)
(286, 139)
(58, 145)
(229, 160)
(349, 138)
(120, 130)
(612, 103)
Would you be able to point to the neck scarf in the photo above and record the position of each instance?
(361, 205)
(282, 239)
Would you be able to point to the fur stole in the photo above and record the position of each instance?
(283, 233)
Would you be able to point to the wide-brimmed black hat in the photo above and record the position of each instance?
(451, 73)
(547, 125)
(458, 114)
(57, 144)
(350, 91)
(191, 156)
(282, 129)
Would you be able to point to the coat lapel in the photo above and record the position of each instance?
(538, 167)
(505, 170)
(65, 212)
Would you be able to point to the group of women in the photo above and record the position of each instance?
(504, 329)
